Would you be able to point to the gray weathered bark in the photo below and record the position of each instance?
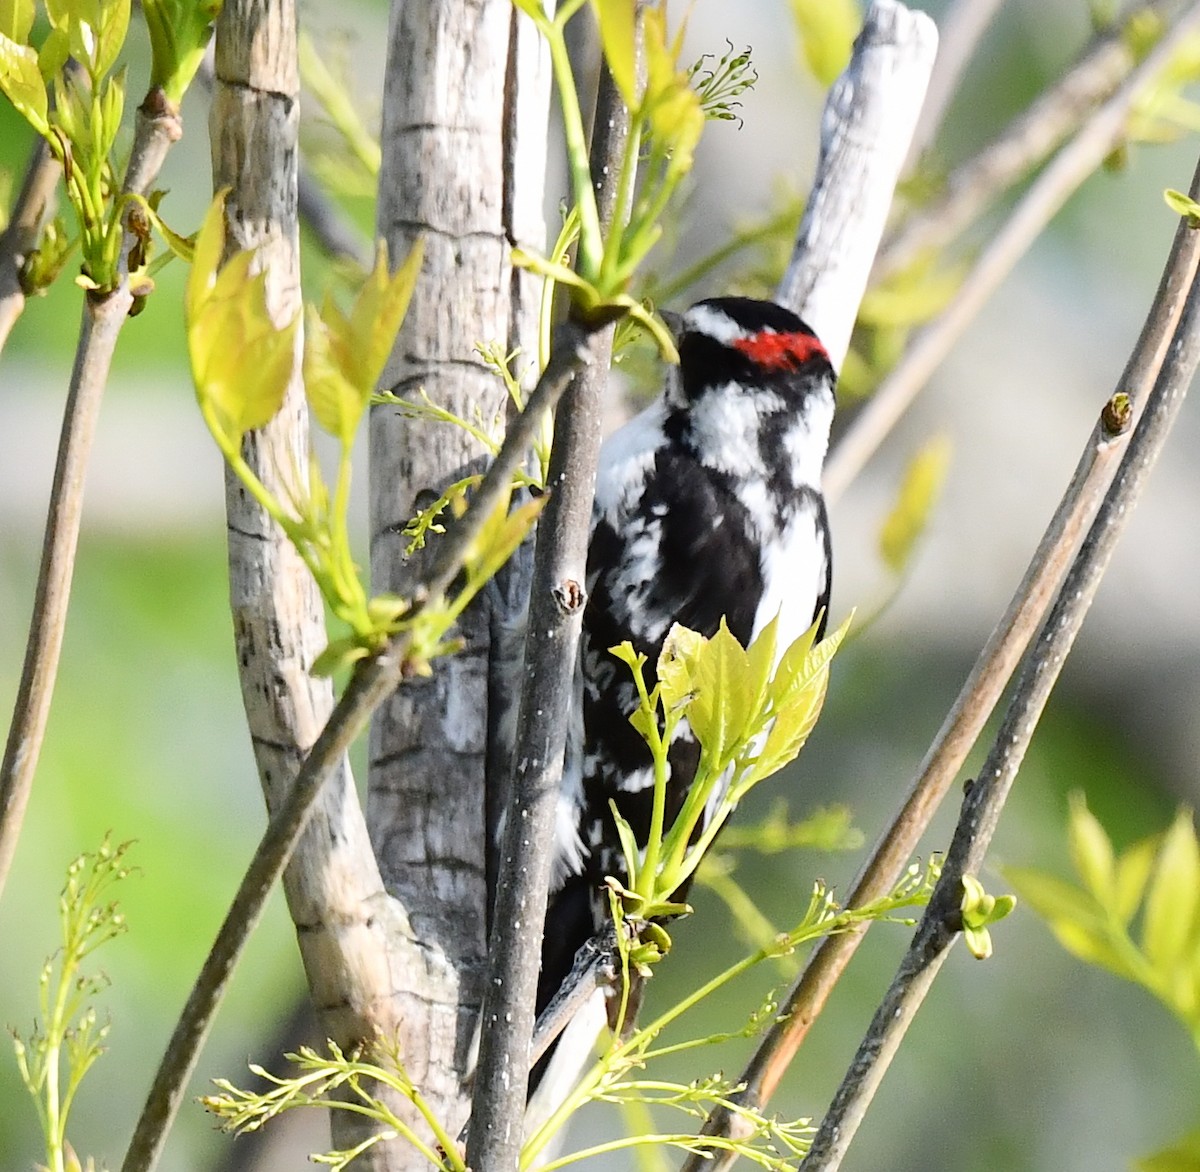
(348, 928)
(464, 139)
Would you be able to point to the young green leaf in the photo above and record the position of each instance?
(919, 493)
(179, 34)
(1173, 899)
(112, 25)
(337, 404)
(1132, 874)
(22, 84)
(1072, 915)
(1183, 205)
(617, 20)
(1091, 851)
(720, 711)
(672, 107)
(375, 318)
(206, 255)
(827, 29)
(676, 666)
(228, 322)
(16, 19)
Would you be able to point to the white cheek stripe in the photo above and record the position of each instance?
(703, 319)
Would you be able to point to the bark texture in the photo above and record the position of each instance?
(348, 928)
(464, 140)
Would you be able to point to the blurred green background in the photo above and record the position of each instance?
(1030, 1061)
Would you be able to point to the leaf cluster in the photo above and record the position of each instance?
(1134, 912)
(619, 1075)
(71, 93)
(751, 712)
(666, 120)
(228, 319)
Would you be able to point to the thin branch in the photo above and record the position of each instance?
(1027, 141)
(557, 596)
(985, 798)
(330, 227)
(29, 213)
(596, 966)
(959, 34)
(370, 685)
(1074, 163)
(103, 316)
(978, 696)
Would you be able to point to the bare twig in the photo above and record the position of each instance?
(557, 597)
(103, 317)
(985, 798)
(1024, 144)
(978, 696)
(375, 680)
(29, 213)
(1073, 164)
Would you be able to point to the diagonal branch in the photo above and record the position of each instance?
(370, 685)
(103, 317)
(1028, 140)
(985, 798)
(1073, 164)
(981, 691)
(869, 118)
(29, 213)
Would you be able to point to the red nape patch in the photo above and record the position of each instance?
(780, 351)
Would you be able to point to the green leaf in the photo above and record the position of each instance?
(336, 403)
(21, 82)
(676, 666)
(179, 34)
(827, 29)
(1171, 903)
(1073, 916)
(16, 19)
(376, 316)
(1183, 205)
(919, 493)
(672, 107)
(107, 114)
(629, 846)
(206, 254)
(720, 709)
(1090, 850)
(1129, 882)
(500, 536)
(110, 31)
(797, 694)
(760, 662)
(341, 653)
(617, 21)
(241, 361)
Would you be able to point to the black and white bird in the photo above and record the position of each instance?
(708, 506)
